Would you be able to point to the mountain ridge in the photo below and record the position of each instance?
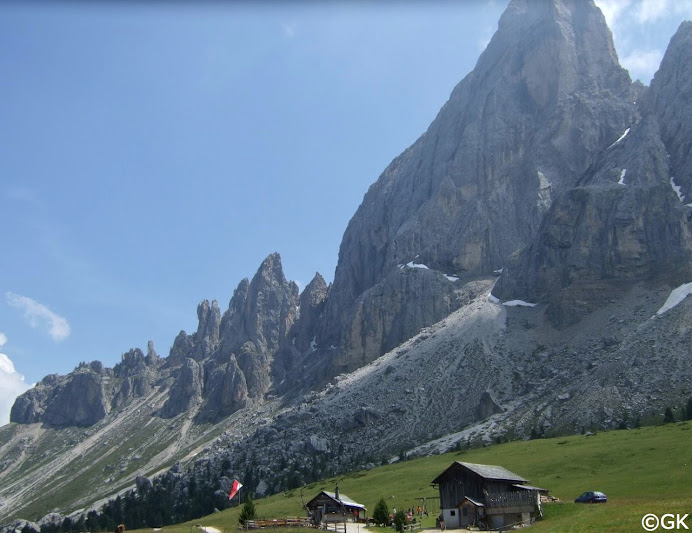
(539, 180)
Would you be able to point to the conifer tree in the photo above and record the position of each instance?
(248, 511)
(381, 513)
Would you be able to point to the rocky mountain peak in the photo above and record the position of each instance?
(668, 100)
(315, 292)
(569, 37)
(206, 339)
(627, 219)
(544, 99)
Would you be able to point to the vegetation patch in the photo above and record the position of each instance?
(642, 471)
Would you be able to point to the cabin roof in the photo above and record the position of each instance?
(342, 499)
(485, 471)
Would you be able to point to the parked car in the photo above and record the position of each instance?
(592, 497)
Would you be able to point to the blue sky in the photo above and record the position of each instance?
(151, 155)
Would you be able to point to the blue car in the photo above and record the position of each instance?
(592, 497)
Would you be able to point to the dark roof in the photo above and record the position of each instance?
(343, 500)
(484, 471)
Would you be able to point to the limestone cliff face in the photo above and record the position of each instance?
(90, 392)
(668, 100)
(138, 374)
(301, 343)
(545, 98)
(78, 399)
(624, 221)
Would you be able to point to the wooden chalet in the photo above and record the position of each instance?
(330, 507)
(486, 496)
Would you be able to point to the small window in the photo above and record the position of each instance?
(452, 513)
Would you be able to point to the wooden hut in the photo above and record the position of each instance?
(333, 507)
(486, 496)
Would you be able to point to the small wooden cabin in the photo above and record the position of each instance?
(486, 496)
(328, 507)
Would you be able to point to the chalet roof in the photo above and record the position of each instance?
(484, 471)
(345, 500)
(342, 499)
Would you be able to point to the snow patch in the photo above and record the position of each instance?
(451, 278)
(621, 137)
(676, 296)
(677, 189)
(313, 343)
(493, 299)
(518, 303)
(411, 264)
(622, 177)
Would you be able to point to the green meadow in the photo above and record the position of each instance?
(646, 470)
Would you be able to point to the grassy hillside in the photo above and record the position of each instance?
(642, 471)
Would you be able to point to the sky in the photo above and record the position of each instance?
(152, 154)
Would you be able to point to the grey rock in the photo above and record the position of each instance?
(261, 489)
(487, 406)
(186, 391)
(21, 526)
(152, 357)
(206, 338)
(51, 519)
(143, 484)
(78, 401)
(668, 101)
(181, 349)
(235, 390)
(366, 415)
(317, 444)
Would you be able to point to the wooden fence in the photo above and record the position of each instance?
(277, 522)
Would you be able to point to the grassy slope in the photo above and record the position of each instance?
(642, 471)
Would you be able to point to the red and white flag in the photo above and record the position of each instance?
(237, 485)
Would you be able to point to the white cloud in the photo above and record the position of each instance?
(612, 9)
(38, 315)
(3, 339)
(11, 385)
(642, 64)
(652, 10)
